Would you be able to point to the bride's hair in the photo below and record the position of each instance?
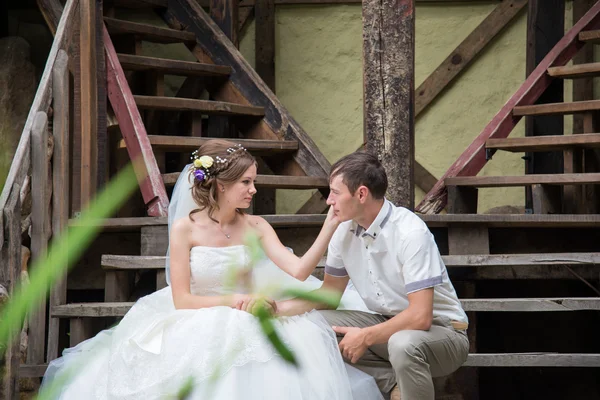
(230, 162)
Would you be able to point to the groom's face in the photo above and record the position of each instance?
(345, 204)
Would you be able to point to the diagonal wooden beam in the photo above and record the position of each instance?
(466, 52)
(472, 160)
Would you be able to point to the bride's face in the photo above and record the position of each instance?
(239, 194)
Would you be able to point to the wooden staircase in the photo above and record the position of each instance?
(477, 248)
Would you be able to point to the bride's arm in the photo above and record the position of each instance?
(298, 267)
(179, 252)
(332, 285)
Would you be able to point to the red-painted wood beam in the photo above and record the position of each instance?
(134, 134)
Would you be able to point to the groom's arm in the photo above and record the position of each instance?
(331, 285)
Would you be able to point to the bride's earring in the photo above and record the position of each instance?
(222, 189)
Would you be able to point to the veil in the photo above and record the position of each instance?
(180, 206)
(265, 274)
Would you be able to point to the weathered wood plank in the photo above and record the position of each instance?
(533, 360)
(89, 101)
(131, 62)
(9, 277)
(32, 371)
(466, 52)
(388, 68)
(527, 180)
(575, 71)
(246, 87)
(187, 143)
(499, 260)
(141, 3)
(134, 133)
(60, 182)
(591, 36)
(472, 160)
(94, 310)
(245, 15)
(39, 234)
(532, 305)
(271, 181)
(558, 108)
(545, 143)
(146, 32)
(546, 199)
(80, 329)
(205, 106)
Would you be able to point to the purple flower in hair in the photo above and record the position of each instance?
(199, 175)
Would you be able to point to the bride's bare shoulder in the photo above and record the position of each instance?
(255, 222)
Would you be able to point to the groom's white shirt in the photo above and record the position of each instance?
(395, 256)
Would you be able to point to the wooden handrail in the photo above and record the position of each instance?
(41, 102)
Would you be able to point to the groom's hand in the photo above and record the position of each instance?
(354, 343)
(249, 304)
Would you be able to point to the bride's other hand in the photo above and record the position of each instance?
(250, 303)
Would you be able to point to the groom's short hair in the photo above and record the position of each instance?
(361, 169)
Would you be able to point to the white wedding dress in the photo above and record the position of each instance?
(155, 349)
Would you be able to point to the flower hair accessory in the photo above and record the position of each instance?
(203, 167)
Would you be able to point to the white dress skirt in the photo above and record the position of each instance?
(156, 349)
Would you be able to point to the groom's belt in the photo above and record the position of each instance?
(459, 325)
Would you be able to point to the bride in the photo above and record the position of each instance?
(200, 328)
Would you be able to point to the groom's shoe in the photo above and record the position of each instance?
(395, 395)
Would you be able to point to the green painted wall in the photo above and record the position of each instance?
(319, 79)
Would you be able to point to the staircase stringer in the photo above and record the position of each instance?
(473, 159)
(246, 87)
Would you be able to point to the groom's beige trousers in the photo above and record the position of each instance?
(410, 358)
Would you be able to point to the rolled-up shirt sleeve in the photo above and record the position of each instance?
(334, 265)
(422, 265)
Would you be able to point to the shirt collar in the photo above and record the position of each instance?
(377, 225)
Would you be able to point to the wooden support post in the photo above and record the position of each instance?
(36, 350)
(469, 239)
(546, 199)
(102, 169)
(545, 28)
(388, 65)
(585, 198)
(154, 243)
(89, 100)
(9, 275)
(60, 182)
(225, 15)
(462, 200)
(264, 19)
(80, 330)
(75, 61)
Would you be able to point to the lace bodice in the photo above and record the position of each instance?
(218, 270)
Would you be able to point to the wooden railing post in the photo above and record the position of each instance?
(60, 182)
(39, 231)
(9, 275)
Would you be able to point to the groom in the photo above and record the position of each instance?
(391, 257)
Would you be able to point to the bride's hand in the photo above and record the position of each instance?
(332, 221)
(250, 303)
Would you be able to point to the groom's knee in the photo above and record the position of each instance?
(404, 350)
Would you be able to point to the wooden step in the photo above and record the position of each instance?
(148, 33)
(131, 62)
(592, 36)
(526, 180)
(557, 108)
(272, 181)
(94, 310)
(544, 143)
(474, 360)
(188, 143)
(432, 220)
(207, 107)
(532, 304)
(127, 262)
(575, 71)
(141, 3)
(136, 223)
(533, 360)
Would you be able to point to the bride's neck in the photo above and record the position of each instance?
(225, 216)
